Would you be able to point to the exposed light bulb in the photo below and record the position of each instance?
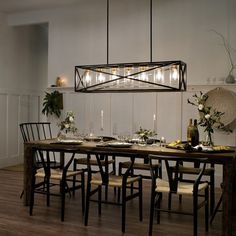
(159, 76)
(174, 73)
(87, 77)
(143, 75)
(128, 71)
(114, 77)
(114, 73)
(101, 77)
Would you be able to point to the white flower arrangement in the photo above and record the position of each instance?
(68, 125)
(209, 117)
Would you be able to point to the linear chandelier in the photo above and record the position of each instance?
(131, 77)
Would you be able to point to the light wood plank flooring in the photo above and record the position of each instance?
(15, 219)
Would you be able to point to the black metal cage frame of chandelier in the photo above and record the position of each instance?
(165, 76)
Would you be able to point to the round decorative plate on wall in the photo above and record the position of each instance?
(223, 100)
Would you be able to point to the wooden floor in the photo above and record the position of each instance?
(15, 219)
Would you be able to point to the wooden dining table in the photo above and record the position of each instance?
(227, 159)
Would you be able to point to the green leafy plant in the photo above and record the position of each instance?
(53, 104)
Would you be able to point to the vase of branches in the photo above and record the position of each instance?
(230, 78)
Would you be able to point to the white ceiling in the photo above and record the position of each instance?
(13, 6)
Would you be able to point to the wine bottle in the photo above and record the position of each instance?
(189, 131)
(195, 134)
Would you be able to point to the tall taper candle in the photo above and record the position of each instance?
(101, 119)
(154, 122)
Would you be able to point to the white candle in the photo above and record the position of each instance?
(154, 122)
(101, 119)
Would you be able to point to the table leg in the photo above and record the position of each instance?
(227, 216)
(62, 159)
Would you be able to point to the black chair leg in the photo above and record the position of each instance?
(114, 170)
(180, 198)
(212, 193)
(48, 191)
(74, 177)
(118, 195)
(169, 201)
(123, 208)
(99, 200)
(195, 213)
(62, 199)
(152, 203)
(106, 186)
(206, 209)
(32, 196)
(132, 185)
(158, 207)
(82, 192)
(216, 209)
(87, 205)
(140, 200)
(118, 190)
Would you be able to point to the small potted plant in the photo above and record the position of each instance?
(53, 104)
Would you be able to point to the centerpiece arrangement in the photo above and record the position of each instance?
(209, 118)
(145, 134)
(67, 126)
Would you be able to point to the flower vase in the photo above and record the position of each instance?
(64, 134)
(209, 139)
(142, 141)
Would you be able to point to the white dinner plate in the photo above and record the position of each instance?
(70, 141)
(93, 138)
(120, 144)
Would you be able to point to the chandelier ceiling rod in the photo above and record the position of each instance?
(108, 5)
(108, 11)
(150, 30)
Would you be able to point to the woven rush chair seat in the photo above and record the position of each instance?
(114, 180)
(138, 166)
(183, 187)
(56, 173)
(83, 161)
(145, 166)
(191, 170)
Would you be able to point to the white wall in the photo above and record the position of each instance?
(180, 31)
(23, 66)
